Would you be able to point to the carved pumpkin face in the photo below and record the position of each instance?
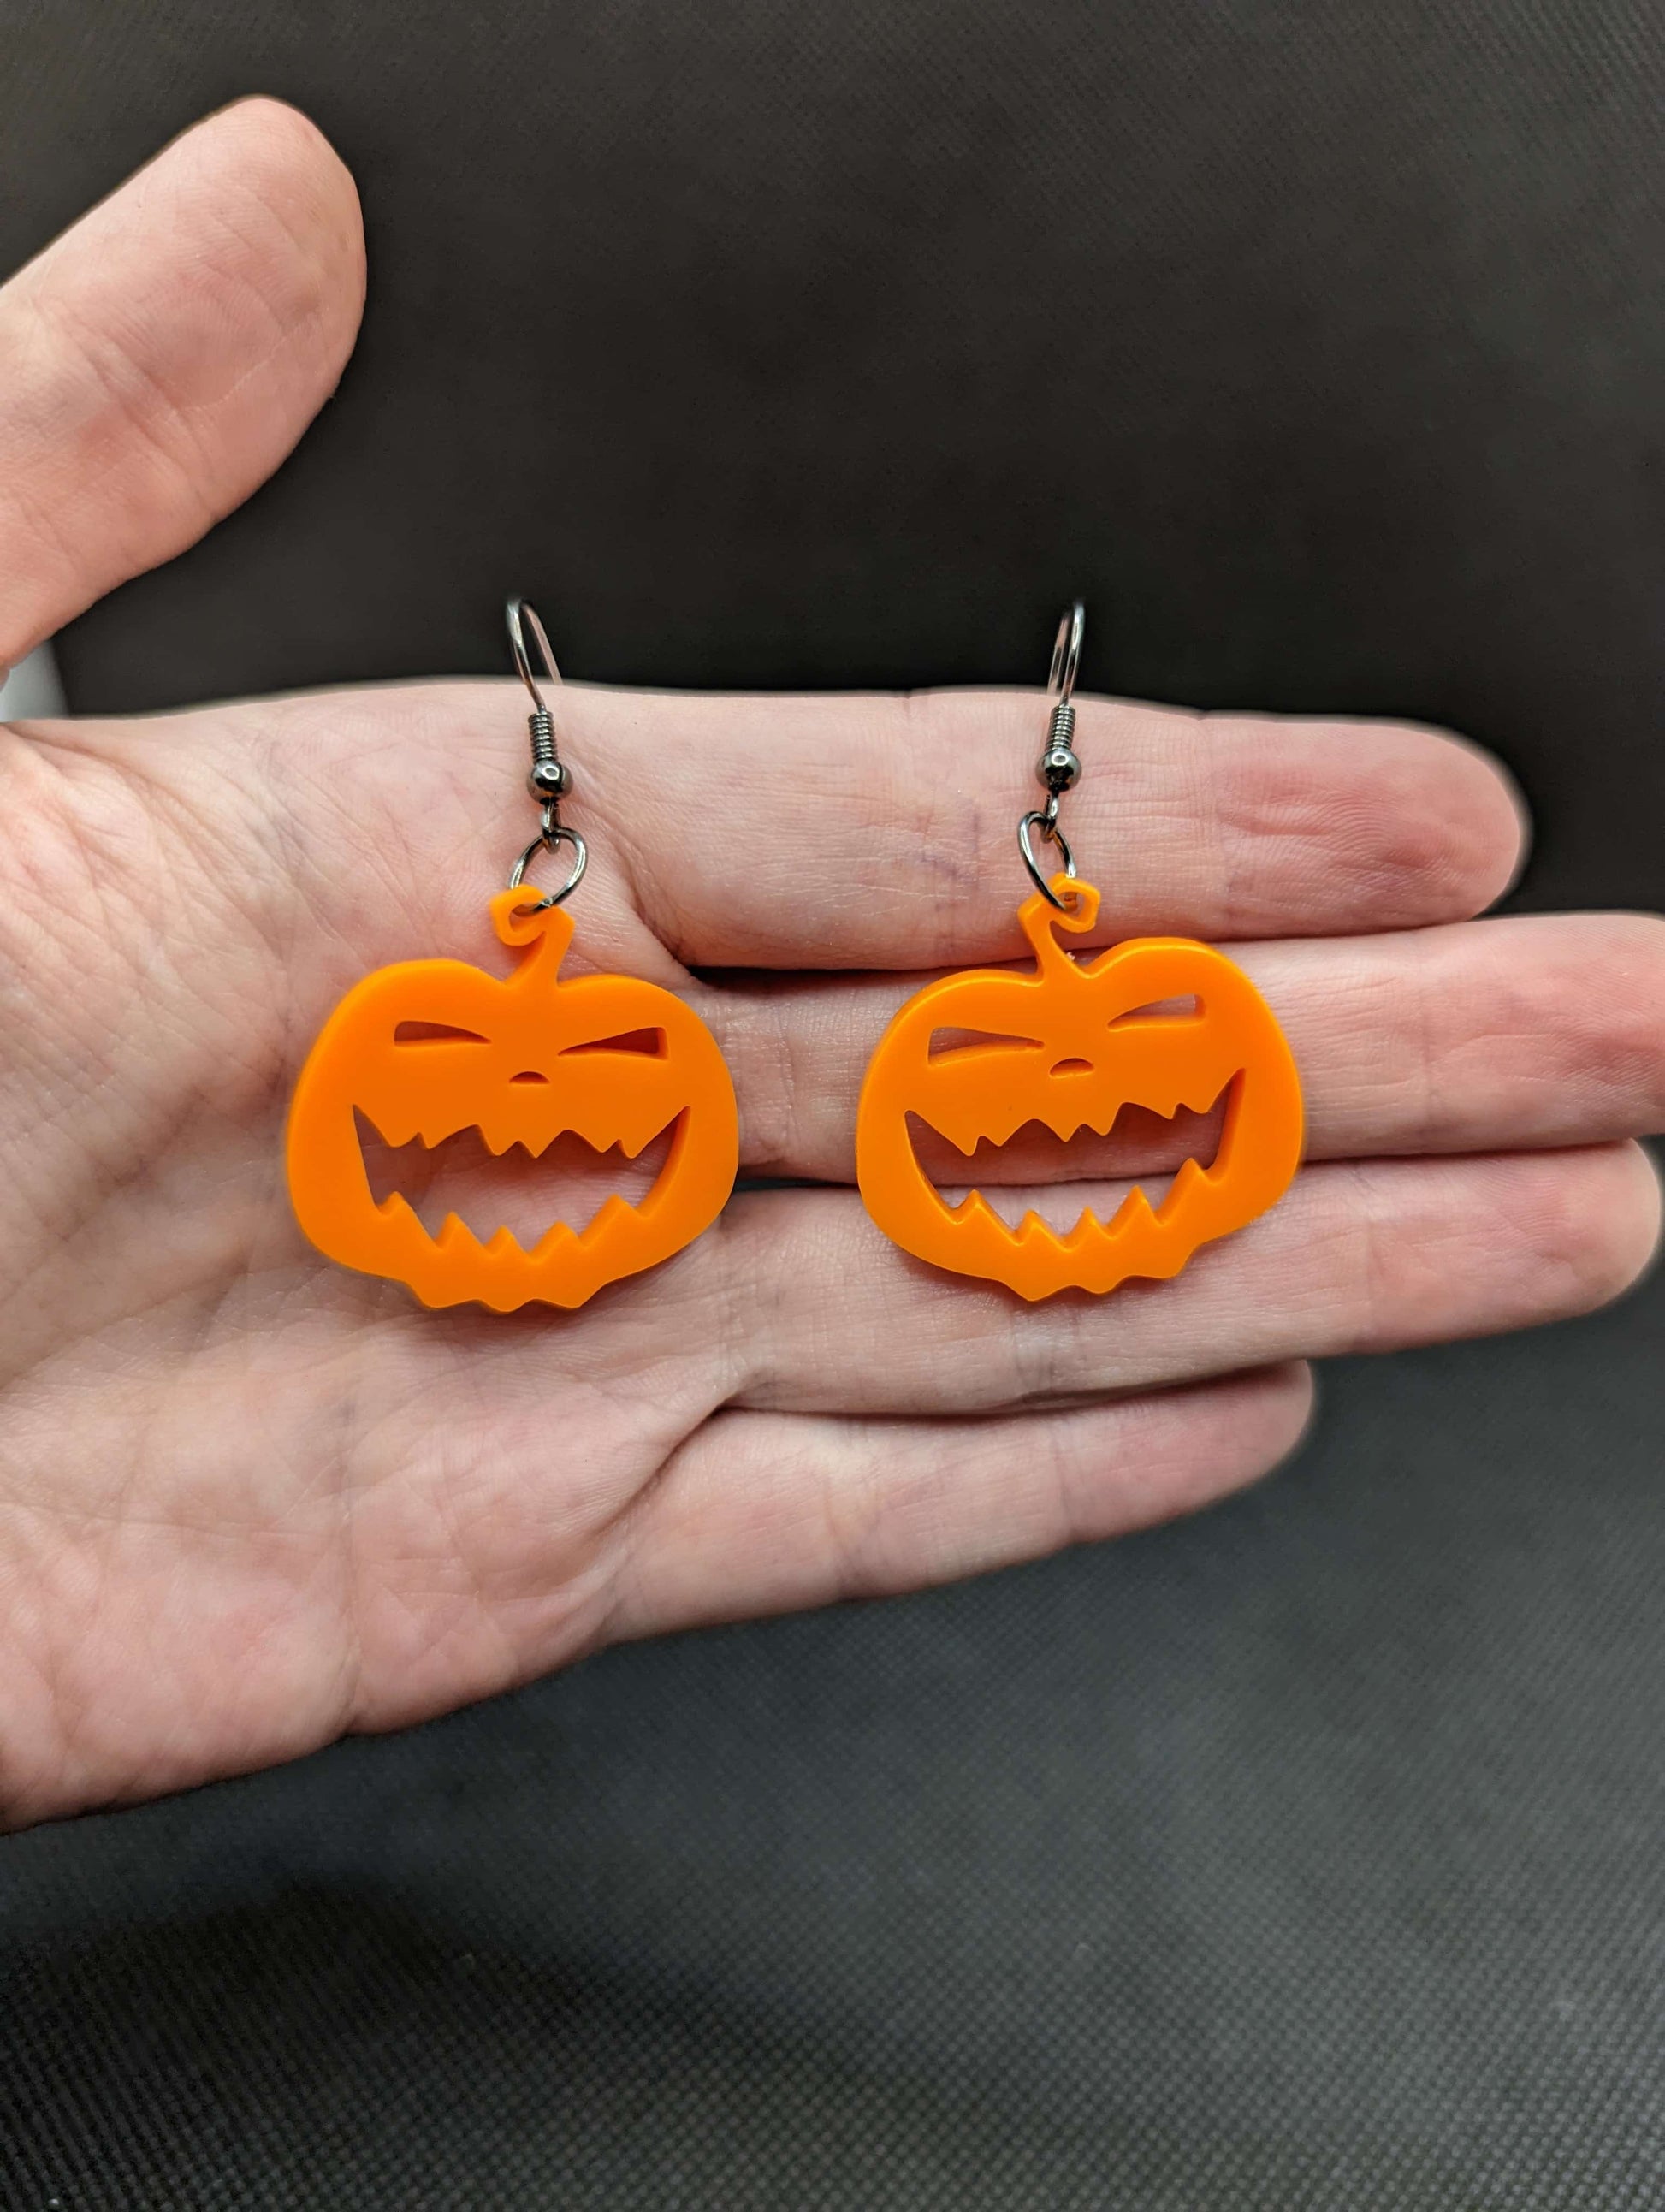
(1068, 1045)
(522, 1060)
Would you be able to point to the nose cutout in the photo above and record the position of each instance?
(529, 1075)
(1072, 1067)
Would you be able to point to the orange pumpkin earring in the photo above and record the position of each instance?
(1068, 1044)
(522, 1059)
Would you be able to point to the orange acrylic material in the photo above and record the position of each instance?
(534, 1062)
(1068, 1044)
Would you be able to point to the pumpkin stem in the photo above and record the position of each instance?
(1041, 919)
(547, 930)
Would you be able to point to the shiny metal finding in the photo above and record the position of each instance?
(546, 841)
(549, 779)
(1058, 770)
(1065, 652)
(520, 616)
(1050, 831)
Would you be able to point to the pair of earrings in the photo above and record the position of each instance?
(429, 1048)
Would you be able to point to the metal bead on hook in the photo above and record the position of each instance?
(1060, 767)
(549, 779)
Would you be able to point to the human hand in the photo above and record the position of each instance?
(248, 1501)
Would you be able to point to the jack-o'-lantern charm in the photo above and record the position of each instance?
(522, 1060)
(430, 1048)
(1067, 1045)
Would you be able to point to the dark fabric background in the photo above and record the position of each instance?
(1310, 1854)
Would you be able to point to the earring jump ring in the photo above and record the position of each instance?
(1054, 836)
(546, 841)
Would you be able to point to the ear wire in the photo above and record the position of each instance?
(1059, 769)
(549, 779)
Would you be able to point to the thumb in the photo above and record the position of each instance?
(161, 358)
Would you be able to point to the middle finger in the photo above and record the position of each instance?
(1533, 1031)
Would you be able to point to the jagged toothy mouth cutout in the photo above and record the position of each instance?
(488, 1185)
(1163, 1146)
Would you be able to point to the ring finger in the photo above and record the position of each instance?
(1359, 1257)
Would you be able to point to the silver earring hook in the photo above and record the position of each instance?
(1059, 770)
(549, 779)
(519, 618)
(1067, 654)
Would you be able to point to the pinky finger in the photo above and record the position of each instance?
(762, 1512)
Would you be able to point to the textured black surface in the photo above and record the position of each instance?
(1305, 1854)
(1310, 1854)
(1318, 346)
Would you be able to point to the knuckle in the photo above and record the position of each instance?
(1597, 1227)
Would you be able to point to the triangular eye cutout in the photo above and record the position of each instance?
(434, 1033)
(651, 1043)
(945, 1043)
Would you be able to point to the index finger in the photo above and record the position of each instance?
(868, 832)
(881, 832)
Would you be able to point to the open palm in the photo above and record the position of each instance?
(248, 1500)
